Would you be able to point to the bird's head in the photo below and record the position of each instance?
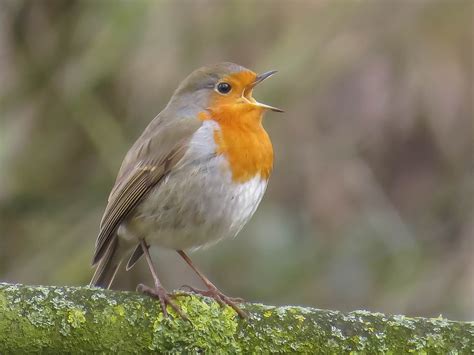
(224, 89)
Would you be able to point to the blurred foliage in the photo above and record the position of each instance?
(371, 204)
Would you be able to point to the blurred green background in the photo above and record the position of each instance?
(371, 204)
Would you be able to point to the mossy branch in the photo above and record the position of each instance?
(81, 319)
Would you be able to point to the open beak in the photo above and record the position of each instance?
(258, 80)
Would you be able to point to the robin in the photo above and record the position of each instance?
(196, 175)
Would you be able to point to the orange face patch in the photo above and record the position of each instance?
(241, 138)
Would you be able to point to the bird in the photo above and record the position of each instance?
(195, 176)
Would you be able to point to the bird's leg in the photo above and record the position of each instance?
(159, 291)
(212, 291)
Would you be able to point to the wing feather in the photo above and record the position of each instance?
(134, 182)
(140, 181)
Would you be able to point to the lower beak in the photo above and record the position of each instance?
(258, 80)
(268, 107)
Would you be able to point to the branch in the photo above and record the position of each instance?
(82, 319)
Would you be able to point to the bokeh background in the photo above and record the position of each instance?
(371, 204)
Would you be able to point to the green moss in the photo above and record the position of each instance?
(119, 310)
(76, 318)
(210, 327)
(3, 303)
(68, 319)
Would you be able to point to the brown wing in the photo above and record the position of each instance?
(152, 157)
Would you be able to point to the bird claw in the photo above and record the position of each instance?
(164, 297)
(219, 297)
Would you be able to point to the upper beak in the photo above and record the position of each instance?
(258, 80)
(263, 76)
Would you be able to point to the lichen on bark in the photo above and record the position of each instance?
(83, 319)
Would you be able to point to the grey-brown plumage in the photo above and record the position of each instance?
(143, 169)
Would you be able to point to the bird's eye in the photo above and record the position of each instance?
(224, 88)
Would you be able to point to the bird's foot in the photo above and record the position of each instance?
(164, 297)
(222, 299)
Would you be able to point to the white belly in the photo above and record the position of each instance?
(198, 203)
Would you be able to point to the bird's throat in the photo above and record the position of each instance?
(243, 141)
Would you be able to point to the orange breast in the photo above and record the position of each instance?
(243, 141)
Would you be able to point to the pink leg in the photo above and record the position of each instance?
(212, 291)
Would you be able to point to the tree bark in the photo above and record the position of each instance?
(82, 319)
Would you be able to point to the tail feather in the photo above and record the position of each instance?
(137, 254)
(108, 266)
